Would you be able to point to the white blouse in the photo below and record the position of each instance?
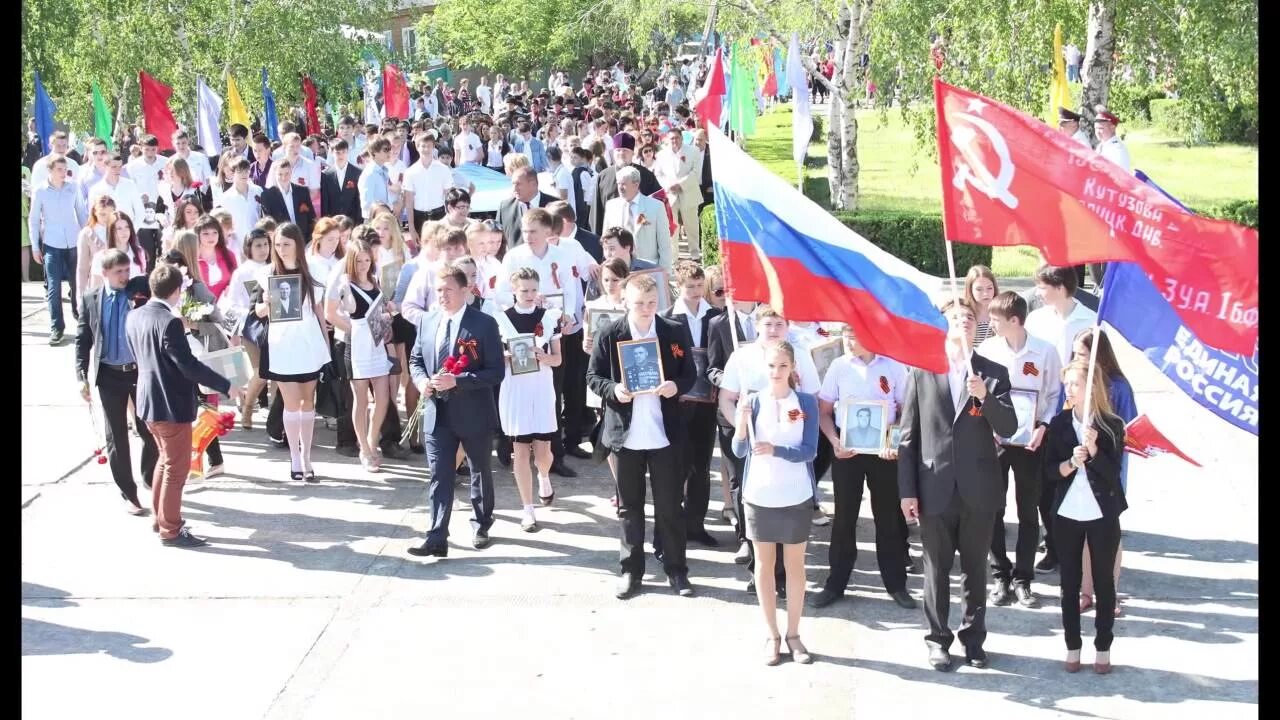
(1079, 503)
(771, 481)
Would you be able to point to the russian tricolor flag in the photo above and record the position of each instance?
(781, 248)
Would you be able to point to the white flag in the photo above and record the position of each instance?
(801, 119)
(371, 114)
(208, 115)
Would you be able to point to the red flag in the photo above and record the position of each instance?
(309, 99)
(1008, 179)
(708, 108)
(661, 196)
(395, 93)
(157, 117)
(1143, 439)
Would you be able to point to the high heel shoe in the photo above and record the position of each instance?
(772, 651)
(799, 653)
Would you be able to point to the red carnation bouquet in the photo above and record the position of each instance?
(454, 365)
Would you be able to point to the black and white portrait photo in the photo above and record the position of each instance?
(523, 360)
(862, 426)
(286, 297)
(641, 365)
(1024, 407)
(825, 353)
(599, 320)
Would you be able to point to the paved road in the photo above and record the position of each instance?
(306, 605)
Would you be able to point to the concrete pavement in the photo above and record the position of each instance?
(306, 605)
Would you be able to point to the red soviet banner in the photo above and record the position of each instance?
(1143, 439)
(1009, 179)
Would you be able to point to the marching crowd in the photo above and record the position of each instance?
(350, 270)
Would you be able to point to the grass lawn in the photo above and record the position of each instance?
(896, 175)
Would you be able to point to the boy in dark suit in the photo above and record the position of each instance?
(949, 479)
(644, 433)
(167, 379)
(287, 201)
(339, 185)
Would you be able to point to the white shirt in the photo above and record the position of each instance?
(306, 173)
(774, 482)
(244, 208)
(236, 295)
(485, 95)
(428, 185)
(286, 192)
(40, 172)
(1079, 503)
(646, 431)
(695, 317)
(746, 371)
(1115, 151)
(1045, 323)
(555, 274)
(199, 165)
(1034, 367)
(582, 264)
(452, 323)
(146, 176)
(957, 374)
(465, 146)
(124, 192)
(493, 157)
(849, 378)
(552, 182)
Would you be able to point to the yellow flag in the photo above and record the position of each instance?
(1059, 95)
(235, 106)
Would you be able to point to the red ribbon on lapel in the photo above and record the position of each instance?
(1029, 368)
(555, 274)
(884, 384)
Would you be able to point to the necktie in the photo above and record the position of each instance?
(748, 330)
(631, 216)
(442, 352)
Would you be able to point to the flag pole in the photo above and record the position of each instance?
(1088, 379)
(955, 293)
(732, 313)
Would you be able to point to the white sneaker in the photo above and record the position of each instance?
(528, 523)
(213, 472)
(820, 517)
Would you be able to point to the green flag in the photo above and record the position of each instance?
(742, 92)
(101, 118)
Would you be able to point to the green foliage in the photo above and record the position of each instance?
(1205, 49)
(1241, 212)
(710, 236)
(1133, 102)
(75, 42)
(1220, 124)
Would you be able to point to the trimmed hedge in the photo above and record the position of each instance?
(1216, 124)
(914, 237)
(1241, 212)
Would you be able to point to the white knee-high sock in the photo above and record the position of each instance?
(292, 433)
(307, 430)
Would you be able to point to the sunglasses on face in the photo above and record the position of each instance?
(718, 292)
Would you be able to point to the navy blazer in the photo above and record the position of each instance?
(469, 408)
(89, 342)
(1102, 470)
(273, 205)
(604, 371)
(591, 243)
(167, 371)
(943, 452)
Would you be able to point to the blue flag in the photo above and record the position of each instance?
(271, 124)
(1225, 383)
(44, 109)
(784, 82)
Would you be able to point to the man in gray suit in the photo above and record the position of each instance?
(949, 479)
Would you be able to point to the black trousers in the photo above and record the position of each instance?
(1103, 536)
(822, 463)
(695, 468)
(848, 477)
(346, 426)
(1027, 470)
(420, 217)
(662, 466)
(115, 389)
(442, 453)
(968, 530)
(557, 442)
(572, 401)
(1048, 488)
(737, 467)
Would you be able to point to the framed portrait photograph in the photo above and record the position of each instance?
(597, 320)
(379, 328)
(285, 292)
(665, 297)
(553, 300)
(389, 276)
(893, 437)
(862, 425)
(251, 286)
(825, 353)
(702, 391)
(523, 360)
(1024, 406)
(641, 365)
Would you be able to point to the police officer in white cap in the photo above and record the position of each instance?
(1110, 146)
